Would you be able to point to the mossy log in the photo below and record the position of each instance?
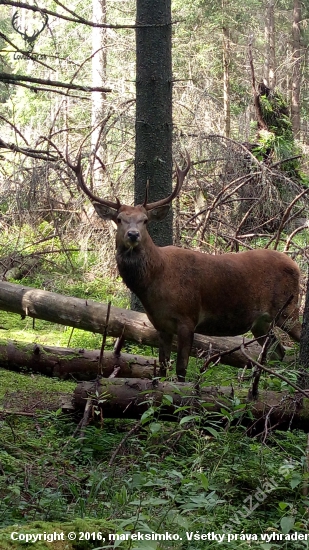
(91, 316)
(79, 364)
(130, 398)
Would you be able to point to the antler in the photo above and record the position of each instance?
(181, 174)
(77, 169)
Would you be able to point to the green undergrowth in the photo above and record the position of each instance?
(180, 478)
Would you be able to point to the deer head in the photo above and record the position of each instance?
(131, 221)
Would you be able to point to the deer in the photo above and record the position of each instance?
(185, 291)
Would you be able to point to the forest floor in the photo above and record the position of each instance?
(128, 484)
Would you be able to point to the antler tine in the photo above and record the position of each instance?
(181, 174)
(77, 169)
(146, 195)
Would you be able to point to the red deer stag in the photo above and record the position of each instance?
(184, 291)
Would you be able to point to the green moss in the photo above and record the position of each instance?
(10, 381)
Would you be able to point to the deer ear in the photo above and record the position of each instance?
(158, 214)
(105, 212)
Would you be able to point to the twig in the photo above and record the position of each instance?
(285, 160)
(284, 219)
(290, 237)
(85, 419)
(100, 364)
(70, 337)
(115, 372)
(306, 468)
(257, 371)
(17, 413)
(305, 393)
(77, 18)
(122, 442)
(119, 343)
(44, 155)
(262, 357)
(16, 78)
(217, 356)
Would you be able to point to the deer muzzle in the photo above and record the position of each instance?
(132, 238)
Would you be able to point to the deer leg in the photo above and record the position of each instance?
(295, 331)
(165, 346)
(185, 339)
(291, 325)
(260, 330)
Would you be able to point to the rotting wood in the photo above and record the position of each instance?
(130, 398)
(78, 364)
(90, 316)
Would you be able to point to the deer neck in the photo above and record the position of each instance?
(139, 266)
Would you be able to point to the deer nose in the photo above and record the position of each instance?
(133, 236)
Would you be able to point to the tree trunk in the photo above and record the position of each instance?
(153, 159)
(256, 98)
(226, 72)
(128, 399)
(153, 126)
(89, 315)
(303, 380)
(76, 364)
(270, 55)
(98, 79)
(296, 72)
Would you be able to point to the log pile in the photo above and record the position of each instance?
(91, 316)
(130, 395)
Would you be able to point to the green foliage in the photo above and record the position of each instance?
(277, 142)
(179, 478)
(276, 115)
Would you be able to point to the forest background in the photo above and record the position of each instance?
(68, 83)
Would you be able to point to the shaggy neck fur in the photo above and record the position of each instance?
(139, 266)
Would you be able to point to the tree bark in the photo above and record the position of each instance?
(256, 98)
(99, 61)
(153, 160)
(131, 398)
(89, 315)
(226, 48)
(67, 363)
(153, 124)
(296, 71)
(303, 379)
(270, 55)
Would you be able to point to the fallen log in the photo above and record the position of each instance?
(130, 398)
(90, 316)
(121, 398)
(64, 363)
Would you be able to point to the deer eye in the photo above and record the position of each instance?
(146, 221)
(118, 220)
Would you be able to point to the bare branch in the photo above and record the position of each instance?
(16, 78)
(37, 154)
(76, 18)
